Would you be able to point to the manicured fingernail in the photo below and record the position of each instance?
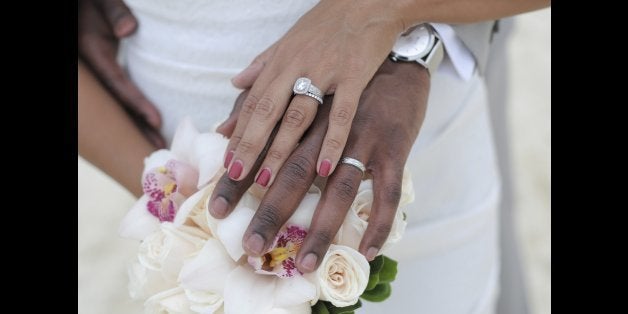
(323, 170)
(309, 262)
(255, 244)
(263, 177)
(371, 253)
(219, 206)
(236, 170)
(228, 159)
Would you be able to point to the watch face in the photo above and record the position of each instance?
(415, 44)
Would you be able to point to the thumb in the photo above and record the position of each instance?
(247, 77)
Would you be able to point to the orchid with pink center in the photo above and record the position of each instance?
(167, 187)
(280, 259)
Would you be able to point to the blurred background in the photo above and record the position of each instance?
(103, 255)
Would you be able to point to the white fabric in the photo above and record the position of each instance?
(459, 55)
(184, 54)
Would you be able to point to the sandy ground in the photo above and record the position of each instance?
(102, 255)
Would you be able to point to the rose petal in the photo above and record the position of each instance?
(297, 309)
(183, 242)
(247, 292)
(204, 302)
(138, 222)
(144, 282)
(353, 269)
(187, 207)
(208, 270)
(169, 301)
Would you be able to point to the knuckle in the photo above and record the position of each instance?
(341, 116)
(333, 144)
(248, 106)
(344, 190)
(236, 138)
(265, 107)
(246, 146)
(275, 154)
(294, 118)
(322, 236)
(298, 168)
(267, 217)
(382, 229)
(392, 193)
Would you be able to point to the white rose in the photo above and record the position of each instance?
(356, 221)
(166, 249)
(204, 302)
(169, 301)
(342, 275)
(144, 282)
(194, 210)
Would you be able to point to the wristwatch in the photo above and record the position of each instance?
(421, 45)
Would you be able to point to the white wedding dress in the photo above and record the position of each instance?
(183, 56)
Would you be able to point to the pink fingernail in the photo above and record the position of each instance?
(236, 170)
(323, 171)
(263, 178)
(228, 159)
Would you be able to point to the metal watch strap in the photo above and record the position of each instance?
(434, 58)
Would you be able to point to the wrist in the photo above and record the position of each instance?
(366, 13)
(410, 71)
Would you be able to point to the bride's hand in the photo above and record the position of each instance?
(338, 45)
(380, 138)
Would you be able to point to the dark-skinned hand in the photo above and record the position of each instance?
(387, 122)
(101, 25)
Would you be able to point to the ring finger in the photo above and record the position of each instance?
(330, 213)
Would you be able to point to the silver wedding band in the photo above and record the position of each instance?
(304, 86)
(353, 162)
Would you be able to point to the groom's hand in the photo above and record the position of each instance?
(101, 25)
(389, 116)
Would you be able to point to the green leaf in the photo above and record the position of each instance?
(324, 307)
(376, 264)
(320, 308)
(373, 281)
(380, 293)
(344, 310)
(388, 273)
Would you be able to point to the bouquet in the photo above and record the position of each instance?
(190, 262)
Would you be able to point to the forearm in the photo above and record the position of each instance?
(464, 11)
(403, 14)
(107, 137)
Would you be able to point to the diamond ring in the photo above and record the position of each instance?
(353, 162)
(304, 86)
